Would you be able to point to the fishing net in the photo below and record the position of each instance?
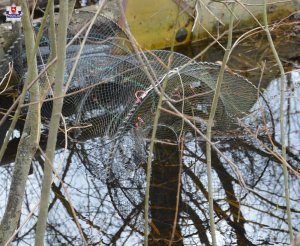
(112, 97)
(114, 90)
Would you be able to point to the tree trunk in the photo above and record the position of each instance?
(163, 195)
(28, 142)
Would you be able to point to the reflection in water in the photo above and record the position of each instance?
(110, 209)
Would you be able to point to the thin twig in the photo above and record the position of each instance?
(54, 124)
(178, 192)
(209, 130)
(282, 119)
(9, 73)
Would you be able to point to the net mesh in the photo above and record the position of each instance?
(112, 97)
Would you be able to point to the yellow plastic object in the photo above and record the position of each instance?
(158, 24)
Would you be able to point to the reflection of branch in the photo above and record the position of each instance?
(198, 223)
(234, 205)
(69, 208)
(239, 220)
(116, 208)
(199, 185)
(67, 195)
(70, 240)
(66, 170)
(127, 221)
(275, 153)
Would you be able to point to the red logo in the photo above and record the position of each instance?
(13, 9)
